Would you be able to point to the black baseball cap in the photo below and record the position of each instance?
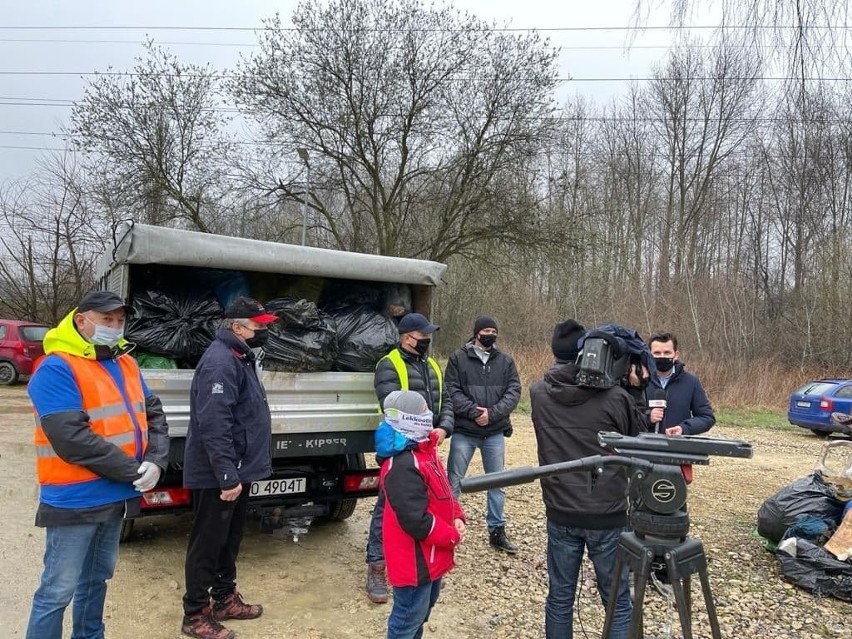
(248, 308)
(103, 302)
(416, 322)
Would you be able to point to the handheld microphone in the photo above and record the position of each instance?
(659, 401)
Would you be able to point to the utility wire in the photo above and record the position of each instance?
(698, 27)
(457, 79)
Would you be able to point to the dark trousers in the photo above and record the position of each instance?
(375, 550)
(214, 543)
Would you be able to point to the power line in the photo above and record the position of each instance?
(457, 79)
(698, 27)
(595, 47)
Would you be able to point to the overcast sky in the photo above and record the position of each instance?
(45, 46)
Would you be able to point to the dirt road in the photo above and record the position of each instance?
(314, 589)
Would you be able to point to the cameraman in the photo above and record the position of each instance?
(567, 418)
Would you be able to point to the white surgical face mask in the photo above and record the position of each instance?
(104, 335)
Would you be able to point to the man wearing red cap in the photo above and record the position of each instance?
(227, 448)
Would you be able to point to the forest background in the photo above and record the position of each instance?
(713, 201)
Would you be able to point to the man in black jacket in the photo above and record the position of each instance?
(485, 388)
(567, 419)
(407, 367)
(227, 448)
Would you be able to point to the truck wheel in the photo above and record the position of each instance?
(343, 509)
(126, 530)
(340, 510)
(8, 373)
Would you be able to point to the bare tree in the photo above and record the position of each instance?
(155, 138)
(49, 245)
(415, 120)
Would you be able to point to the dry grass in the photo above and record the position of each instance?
(761, 384)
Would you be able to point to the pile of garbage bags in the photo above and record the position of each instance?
(808, 523)
(348, 326)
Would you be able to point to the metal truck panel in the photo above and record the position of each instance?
(300, 403)
(143, 244)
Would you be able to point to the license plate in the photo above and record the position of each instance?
(803, 404)
(272, 487)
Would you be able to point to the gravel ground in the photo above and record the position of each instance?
(314, 589)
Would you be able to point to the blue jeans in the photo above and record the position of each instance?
(564, 555)
(411, 608)
(78, 560)
(375, 551)
(493, 451)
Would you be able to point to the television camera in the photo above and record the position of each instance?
(660, 468)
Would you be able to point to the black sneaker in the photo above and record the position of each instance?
(498, 539)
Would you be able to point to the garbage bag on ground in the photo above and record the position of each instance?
(364, 336)
(806, 496)
(177, 324)
(815, 570)
(147, 360)
(303, 340)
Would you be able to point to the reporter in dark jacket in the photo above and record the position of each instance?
(567, 419)
(485, 388)
(227, 447)
(407, 367)
(687, 411)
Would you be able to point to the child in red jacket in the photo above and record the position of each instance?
(422, 523)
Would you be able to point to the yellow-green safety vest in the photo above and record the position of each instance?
(399, 366)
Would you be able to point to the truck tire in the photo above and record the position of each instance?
(126, 530)
(344, 508)
(340, 510)
(8, 373)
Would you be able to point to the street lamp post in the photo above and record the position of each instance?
(303, 153)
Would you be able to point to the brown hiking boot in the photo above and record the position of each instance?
(377, 587)
(233, 607)
(203, 626)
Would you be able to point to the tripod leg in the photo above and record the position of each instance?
(641, 576)
(613, 595)
(710, 604)
(681, 601)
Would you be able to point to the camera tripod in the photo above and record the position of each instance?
(659, 468)
(683, 556)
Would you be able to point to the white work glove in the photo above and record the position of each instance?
(150, 476)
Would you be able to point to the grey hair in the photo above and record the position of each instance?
(230, 321)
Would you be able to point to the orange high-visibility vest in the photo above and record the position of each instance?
(109, 417)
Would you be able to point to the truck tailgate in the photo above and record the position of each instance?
(312, 413)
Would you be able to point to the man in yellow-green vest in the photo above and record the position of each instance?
(407, 367)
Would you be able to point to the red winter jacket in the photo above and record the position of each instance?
(417, 527)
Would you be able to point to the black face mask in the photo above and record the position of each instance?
(422, 346)
(258, 339)
(487, 341)
(664, 364)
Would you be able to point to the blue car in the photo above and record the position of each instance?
(811, 405)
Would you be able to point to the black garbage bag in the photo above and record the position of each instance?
(806, 496)
(177, 324)
(364, 336)
(303, 340)
(817, 571)
(339, 295)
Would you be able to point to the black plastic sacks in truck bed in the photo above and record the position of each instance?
(304, 339)
(179, 325)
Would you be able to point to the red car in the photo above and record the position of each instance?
(20, 346)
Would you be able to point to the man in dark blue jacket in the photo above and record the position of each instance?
(485, 388)
(687, 410)
(227, 448)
